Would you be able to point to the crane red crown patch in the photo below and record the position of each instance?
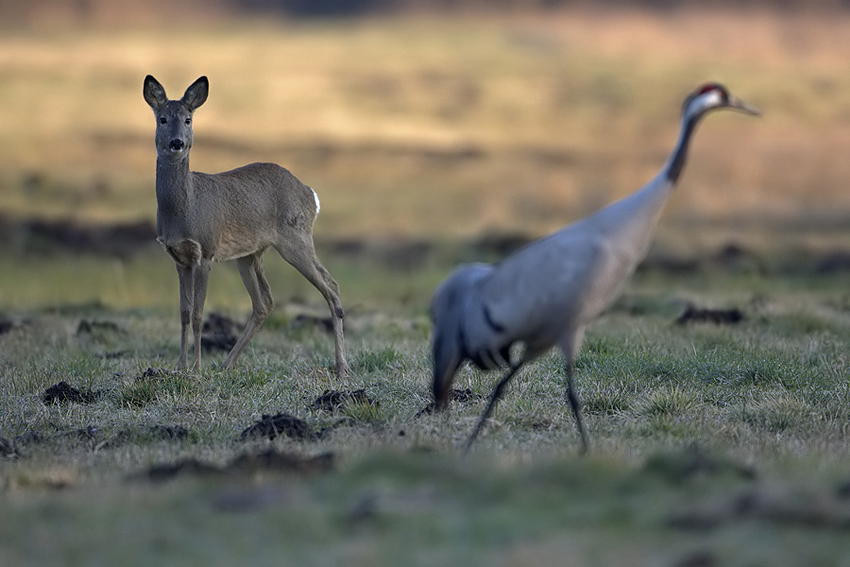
(710, 87)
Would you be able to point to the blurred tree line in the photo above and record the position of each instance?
(13, 12)
(318, 8)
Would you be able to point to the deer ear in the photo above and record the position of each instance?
(154, 93)
(197, 93)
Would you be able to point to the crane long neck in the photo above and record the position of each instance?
(633, 218)
(676, 163)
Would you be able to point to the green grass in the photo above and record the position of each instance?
(739, 430)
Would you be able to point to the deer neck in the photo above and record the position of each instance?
(173, 184)
(173, 192)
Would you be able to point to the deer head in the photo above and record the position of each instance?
(174, 117)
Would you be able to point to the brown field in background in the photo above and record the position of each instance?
(438, 128)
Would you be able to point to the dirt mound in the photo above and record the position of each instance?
(83, 438)
(271, 460)
(465, 396)
(91, 326)
(154, 373)
(157, 432)
(88, 438)
(190, 467)
(169, 431)
(223, 343)
(45, 235)
(218, 324)
(680, 466)
(272, 426)
(324, 324)
(777, 504)
(333, 400)
(64, 392)
(695, 314)
(246, 464)
(219, 333)
(7, 449)
(9, 325)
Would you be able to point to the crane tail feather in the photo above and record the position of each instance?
(447, 359)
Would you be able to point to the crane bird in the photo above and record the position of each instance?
(545, 294)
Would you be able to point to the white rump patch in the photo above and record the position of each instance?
(316, 197)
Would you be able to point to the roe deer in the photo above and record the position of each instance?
(203, 218)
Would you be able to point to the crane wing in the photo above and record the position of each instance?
(543, 290)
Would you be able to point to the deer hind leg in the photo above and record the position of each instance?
(301, 254)
(251, 270)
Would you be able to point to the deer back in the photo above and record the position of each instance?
(239, 212)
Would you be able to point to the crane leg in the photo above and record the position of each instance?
(572, 397)
(494, 397)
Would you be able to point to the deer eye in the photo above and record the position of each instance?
(163, 120)
(188, 121)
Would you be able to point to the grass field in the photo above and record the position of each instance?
(720, 443)
(712, 444)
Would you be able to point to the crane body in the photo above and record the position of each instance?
(545, 294)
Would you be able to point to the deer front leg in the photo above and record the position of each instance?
(251, 270)
(201, 278)
(186, 277)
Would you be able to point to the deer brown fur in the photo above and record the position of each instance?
(234, 215)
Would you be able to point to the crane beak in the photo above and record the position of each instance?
(742, 106)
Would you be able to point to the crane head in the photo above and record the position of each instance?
(712, 96)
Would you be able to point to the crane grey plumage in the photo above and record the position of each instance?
(546, 294)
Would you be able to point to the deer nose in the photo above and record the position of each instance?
(176, 145)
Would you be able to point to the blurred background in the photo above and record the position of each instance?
(434, 131)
